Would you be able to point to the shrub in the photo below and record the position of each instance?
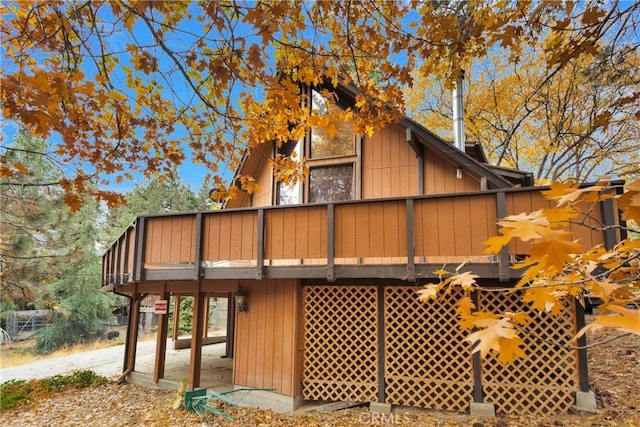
(14, 393)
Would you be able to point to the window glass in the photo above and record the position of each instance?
(331, 183)
(323, 145)
(289, 194)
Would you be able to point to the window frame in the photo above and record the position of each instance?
(354, 159)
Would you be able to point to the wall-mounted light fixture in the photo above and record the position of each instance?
(238, 298)
(459, 173)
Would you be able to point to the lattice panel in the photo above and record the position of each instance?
(546, 381)
(427, 362)
(340, 343)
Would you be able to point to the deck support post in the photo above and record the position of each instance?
(176, 318)
(583, 364)
(132, 338)
(196, 339)
(161, 339)
(381, 340)
(231, 320)
(205, 318)
(478, 394)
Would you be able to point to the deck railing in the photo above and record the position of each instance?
(384, 238)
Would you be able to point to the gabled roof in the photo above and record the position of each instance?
(472, 160)
(452, 154)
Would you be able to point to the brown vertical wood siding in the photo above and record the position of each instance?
(527, 202)
(440, 176)
(296, 232)
(389, 165)
(264, 177)
(267, 339)
(453, 226)
(375, 229)
(229, 236)
(170, 239)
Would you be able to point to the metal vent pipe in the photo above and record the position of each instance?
(458, 114)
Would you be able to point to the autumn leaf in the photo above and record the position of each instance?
(488, 338)
(19, 166)
(496, 243)
(466, 280)
(465, 306)
(525, 226)
(624, 320)
(429, 292)
(73, 201)
(441, 272)
(510, 350)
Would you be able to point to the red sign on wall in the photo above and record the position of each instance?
(161, 306)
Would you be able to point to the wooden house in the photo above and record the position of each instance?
(329, 270)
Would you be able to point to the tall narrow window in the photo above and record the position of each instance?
(322, 144)
(332, 157)
(289, 193)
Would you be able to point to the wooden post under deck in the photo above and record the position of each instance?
(161, 339)
(132, 337)
(176, 318)
(205, 319)
(196, 340)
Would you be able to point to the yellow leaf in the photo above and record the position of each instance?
(521, 318)
(488, 338)
(510, 350)
(428, 292)
(466, 280)
(526, 226)
(624, 320)
(495, 244)
(441, 272)
(465, 305)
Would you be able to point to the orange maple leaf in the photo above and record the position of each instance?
(624, 320)
(488, 338)
(73, 201)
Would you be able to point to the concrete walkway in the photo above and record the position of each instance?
(108, 362)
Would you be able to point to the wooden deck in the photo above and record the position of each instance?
(399, 238)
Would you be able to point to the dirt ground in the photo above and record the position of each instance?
(614, 377)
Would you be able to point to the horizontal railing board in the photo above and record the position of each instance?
(450, 227)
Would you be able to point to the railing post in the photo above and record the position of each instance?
(125, 267)
(105, 269)
(609, 233)
(331, 248)
(112, 262)
(503, 257)
(411, 261)
(118, 260)
(197, 262)
(138, 254)
(260, 245)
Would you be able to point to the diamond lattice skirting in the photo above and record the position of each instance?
(426, 361)
(340, 343)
